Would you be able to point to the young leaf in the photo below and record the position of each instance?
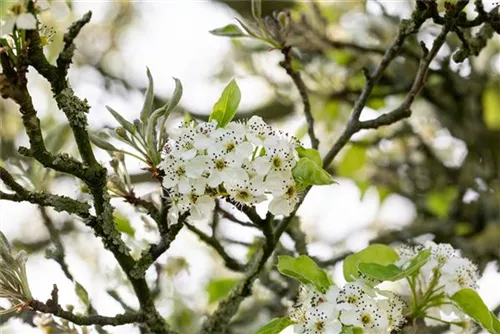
(220, 288)
(82, 294)
(393, 273)
(307, 172)
(305, 270)
(225, 108)
(123, 122)
(351, 330)
(148, 99)
(276, 326)
(163, 111)
(310, 153)
(101, 143)
(471, 304)
(376, 253)
(256, 9)
(123, 225)
(231, 30)
(495, 323)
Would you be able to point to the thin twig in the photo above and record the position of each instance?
(299, 83)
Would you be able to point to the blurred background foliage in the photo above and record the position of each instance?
(444, 159)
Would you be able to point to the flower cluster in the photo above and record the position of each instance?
(242, 162)
(445, 273)
(355, 305)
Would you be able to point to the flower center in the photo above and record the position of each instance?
(352, 299)
(291, 191)
(193, 198)
(366, 319)
(243, 195)
(180, 171)
(230, 147)
(319, 325)
(188, 146)
(277, 162)
(220, 164)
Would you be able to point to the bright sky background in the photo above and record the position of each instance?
(172, 39)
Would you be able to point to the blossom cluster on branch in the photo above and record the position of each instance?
(386, 289)
(243, 162)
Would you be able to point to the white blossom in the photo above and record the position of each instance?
(244, 162)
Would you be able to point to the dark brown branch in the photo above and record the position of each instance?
(59, 203)
(117, 320)
(155, 251)
(299, 83)
(406, 29)
(403, 110)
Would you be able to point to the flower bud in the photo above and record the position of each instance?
(121, 132)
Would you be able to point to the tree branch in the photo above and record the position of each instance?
(407, 28)
(59, 203)
(117, 320)
(299, 83)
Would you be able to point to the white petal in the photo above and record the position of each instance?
(197, 166)
(202, 142)
(244, 150)
(262, 165)
(335, 327)
(169, 182)
(350, 317)
(184, 186)
(206, 204)
(188, 155)
(214, 179)
(280, 206)
(7, 26)
(26, 21)
(233, 176)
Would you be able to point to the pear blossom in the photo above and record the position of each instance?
(248, 192)
(458, 273)
(17, 16)
(285, 192)
(244, 162)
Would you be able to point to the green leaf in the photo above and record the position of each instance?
(491, 107)
(231, 30)
(220, 288)
(376, 253)
(57, 137)
(351, 330)
(101, 143)
(256, 9)
(163, 111)
(380, 272)
(305, 270)
(354, 159)
(307, 172)
(439, 201)
(310, 153)
(495, 323)
(123, 224)
(148, 99)
(225, 108)
(276, 326)
(394, 273)
(123, 122)
(82, 294)
(471, 304)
